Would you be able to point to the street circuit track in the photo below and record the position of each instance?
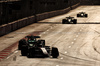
(78, 44)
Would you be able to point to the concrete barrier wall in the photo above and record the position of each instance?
(32, 19)
(14, 25)
(7, 28)
(2, 30)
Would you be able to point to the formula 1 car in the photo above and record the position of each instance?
(38, 49)
(69, 20)
(82, 14)
(30, 40)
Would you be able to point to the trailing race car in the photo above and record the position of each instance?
(32, 48)
(29, 40)
(82, 14)
(69, 20)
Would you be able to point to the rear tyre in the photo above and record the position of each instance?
(63, 21)
(54, 52)
(21, 42)
(75, 21)
(86, 15)
(24, 51)
(77, 15)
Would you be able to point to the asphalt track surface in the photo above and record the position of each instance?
(78, 44)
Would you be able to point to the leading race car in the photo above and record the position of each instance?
(69, 20)
(29, 39)
(82, 14)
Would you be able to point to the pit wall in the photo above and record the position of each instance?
(7, 28)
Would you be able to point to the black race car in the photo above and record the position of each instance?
(33, 48)
(82, 14)
(69, 20)
(29, 39)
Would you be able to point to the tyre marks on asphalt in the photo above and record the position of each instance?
(73, 42)
(77, 35)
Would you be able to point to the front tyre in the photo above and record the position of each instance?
(75, 21)
(86, 15)
(54, 52)
(63, 21)
(77, 15)
(24, 51)
(21, 42)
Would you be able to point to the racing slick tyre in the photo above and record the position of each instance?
(54, 52)
(24, 51)
(63, 21)
(41, 42)
(86, 15)
(21, 42)
(75, 21)
(78, 15)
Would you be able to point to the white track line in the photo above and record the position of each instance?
(72, 42)
(69, 47)
(65, 52)
(57, 65)
(61, 58)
